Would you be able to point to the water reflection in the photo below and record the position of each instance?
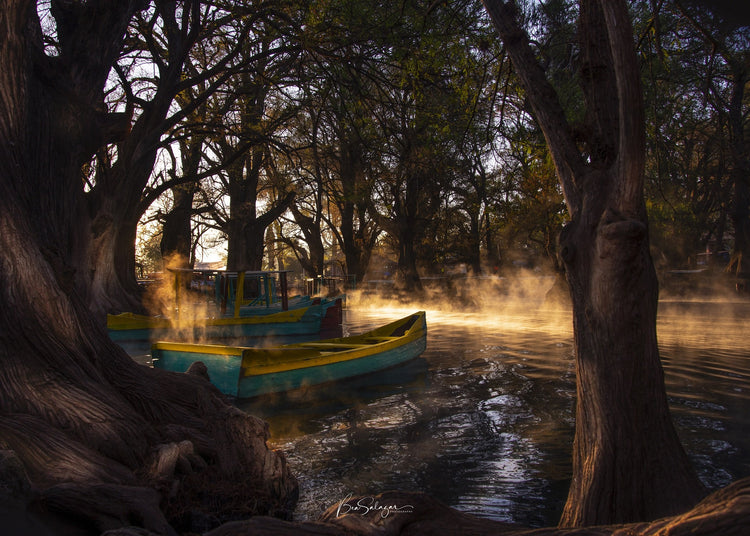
(484, 420)
(472, 422)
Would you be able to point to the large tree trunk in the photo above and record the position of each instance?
(115, 206)
(114, 211)
(314, 262)
(350, 246)
(117, 201)
(358, 236)
(176, 239)
(407, 258)
(407, 223)
(474, 245)
(246, 246)
(246, 230)
(113, 285)
(628, 464)
(79, 413)
(177, 231)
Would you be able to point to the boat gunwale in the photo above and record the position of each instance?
(321, 358)
(262, 361)
(133, 321)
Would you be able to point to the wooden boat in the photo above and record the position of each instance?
(224, 310)
(247, 372)
(134, 327)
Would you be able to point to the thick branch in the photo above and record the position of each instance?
(631, 153)
(543, 98)
(277, 210)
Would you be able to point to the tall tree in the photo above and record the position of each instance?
(303, 167)
(176, 240)
(84, 419)
(177, 231)
(690, 160)
(415, 127)
(341, 84)
(628, 463)
(727, 94)
(253, 116)
(115, 198)
(308, 214)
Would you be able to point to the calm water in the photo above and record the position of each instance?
(484, 419)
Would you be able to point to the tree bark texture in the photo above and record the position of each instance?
(113, 287)
(628, 463)
(247, 230)
(314, 262)
(80, 415)
(408, 221)
(177, 230)
(358, 236)
(77, 410)
(117, 201)
(177, 235)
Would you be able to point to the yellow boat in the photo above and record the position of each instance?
(233, 315)
(247, 372)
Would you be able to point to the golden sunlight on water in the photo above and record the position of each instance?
(488, 303)
(717, 324)
(484, 419)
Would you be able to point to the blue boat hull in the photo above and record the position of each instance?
(248, 372)
(251, 386)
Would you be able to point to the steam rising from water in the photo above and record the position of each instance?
(529, 301)
(182, 300)
(506, 303)
(482, 293)
(484, 420)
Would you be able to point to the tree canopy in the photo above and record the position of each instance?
(353, 103)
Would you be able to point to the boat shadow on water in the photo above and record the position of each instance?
(332, 397)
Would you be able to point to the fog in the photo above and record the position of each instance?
(695, 309)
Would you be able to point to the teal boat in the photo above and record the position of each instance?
(134, 327)
(248, 372)
(214, 304)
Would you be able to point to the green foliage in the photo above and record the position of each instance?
(688, 82)
(401, 123)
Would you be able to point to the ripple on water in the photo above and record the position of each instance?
(485, 423)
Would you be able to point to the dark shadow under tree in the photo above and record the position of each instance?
(84, 419)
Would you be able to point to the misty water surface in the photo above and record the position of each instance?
(484, 420)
